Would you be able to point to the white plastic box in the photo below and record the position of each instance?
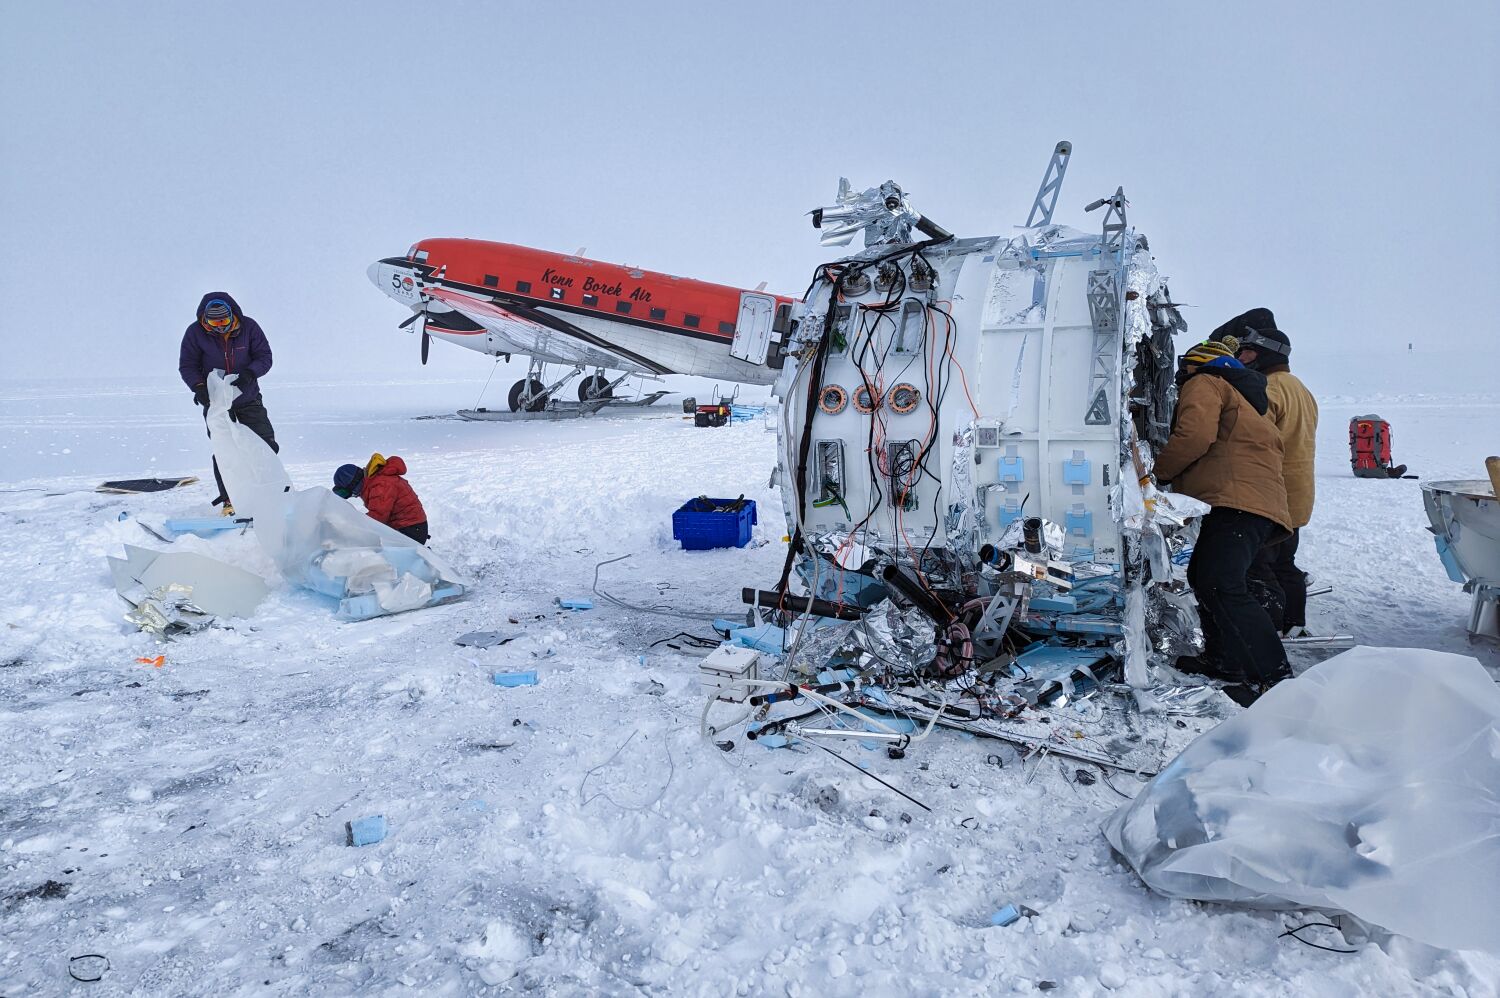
(725, 669)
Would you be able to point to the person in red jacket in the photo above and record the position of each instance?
(388, 497)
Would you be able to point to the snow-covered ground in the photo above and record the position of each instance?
(576, 837)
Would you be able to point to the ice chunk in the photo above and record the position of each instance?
(1370, 784)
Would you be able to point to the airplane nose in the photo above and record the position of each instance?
(374, 273)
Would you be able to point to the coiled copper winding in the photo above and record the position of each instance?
(904, 397)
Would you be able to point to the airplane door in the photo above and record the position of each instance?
(752, 333)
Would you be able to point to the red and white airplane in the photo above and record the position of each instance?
(501, 300)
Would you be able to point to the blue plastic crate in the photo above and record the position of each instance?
(698, 528)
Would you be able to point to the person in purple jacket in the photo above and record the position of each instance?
(225, 339)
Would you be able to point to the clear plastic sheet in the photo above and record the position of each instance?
(318, 540)
(1369, 785)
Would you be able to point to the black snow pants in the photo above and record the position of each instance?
(1283, 586)
(1240, 637)
(254, 416)
(417, 532)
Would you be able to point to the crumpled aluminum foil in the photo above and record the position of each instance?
(870, 212)
(905, 641)
(888, 641)
(961, 524)
(169, 610)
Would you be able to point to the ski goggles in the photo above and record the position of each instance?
(1255, 341)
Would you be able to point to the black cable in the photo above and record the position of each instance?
(691, 639)
(1315, 925)
(855, 765)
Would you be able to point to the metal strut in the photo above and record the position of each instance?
(1104, 287)
(1046, 195)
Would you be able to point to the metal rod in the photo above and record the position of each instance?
(1328, 641)
(879, 736)
(871, 775)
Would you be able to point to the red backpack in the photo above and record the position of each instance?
(1370, 447)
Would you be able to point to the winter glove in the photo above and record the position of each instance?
(200, 395)
(245, 383)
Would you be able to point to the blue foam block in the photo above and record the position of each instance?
(767, 638)
(513, 679)
(1054, 604)
(1009, 915)
(575, 604)
(366, 831)
(205, 526)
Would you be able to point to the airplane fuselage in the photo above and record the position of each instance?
(502, 299)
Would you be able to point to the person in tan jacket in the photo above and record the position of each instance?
(1224, 451)
(1293, 409)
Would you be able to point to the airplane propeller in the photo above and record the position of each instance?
(426, 340)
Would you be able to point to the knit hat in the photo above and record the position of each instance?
(217, 313)
(347, 481)
(1256, 330)
(1210, 350)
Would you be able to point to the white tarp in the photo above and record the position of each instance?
(318, 540)
(1370, 785)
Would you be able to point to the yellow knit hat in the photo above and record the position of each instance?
(1211, 350)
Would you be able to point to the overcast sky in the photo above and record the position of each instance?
(1336, 162)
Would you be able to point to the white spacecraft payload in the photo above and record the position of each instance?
(968, 426)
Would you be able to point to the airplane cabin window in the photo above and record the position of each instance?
(591, 299)
(658, 313)
(690, 320)
(491, 281)
(523, 286)
(623, 307)
(727, 328)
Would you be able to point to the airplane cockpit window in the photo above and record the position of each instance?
(421, 255)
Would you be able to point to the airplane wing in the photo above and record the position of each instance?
(538, 333)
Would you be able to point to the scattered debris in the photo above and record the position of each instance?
(168, 610)
(213, 587)
(514, 679)
(486, 639)
(158, 661)
(131, 486)
(365, 831)
(88, 967)
(46, 891)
